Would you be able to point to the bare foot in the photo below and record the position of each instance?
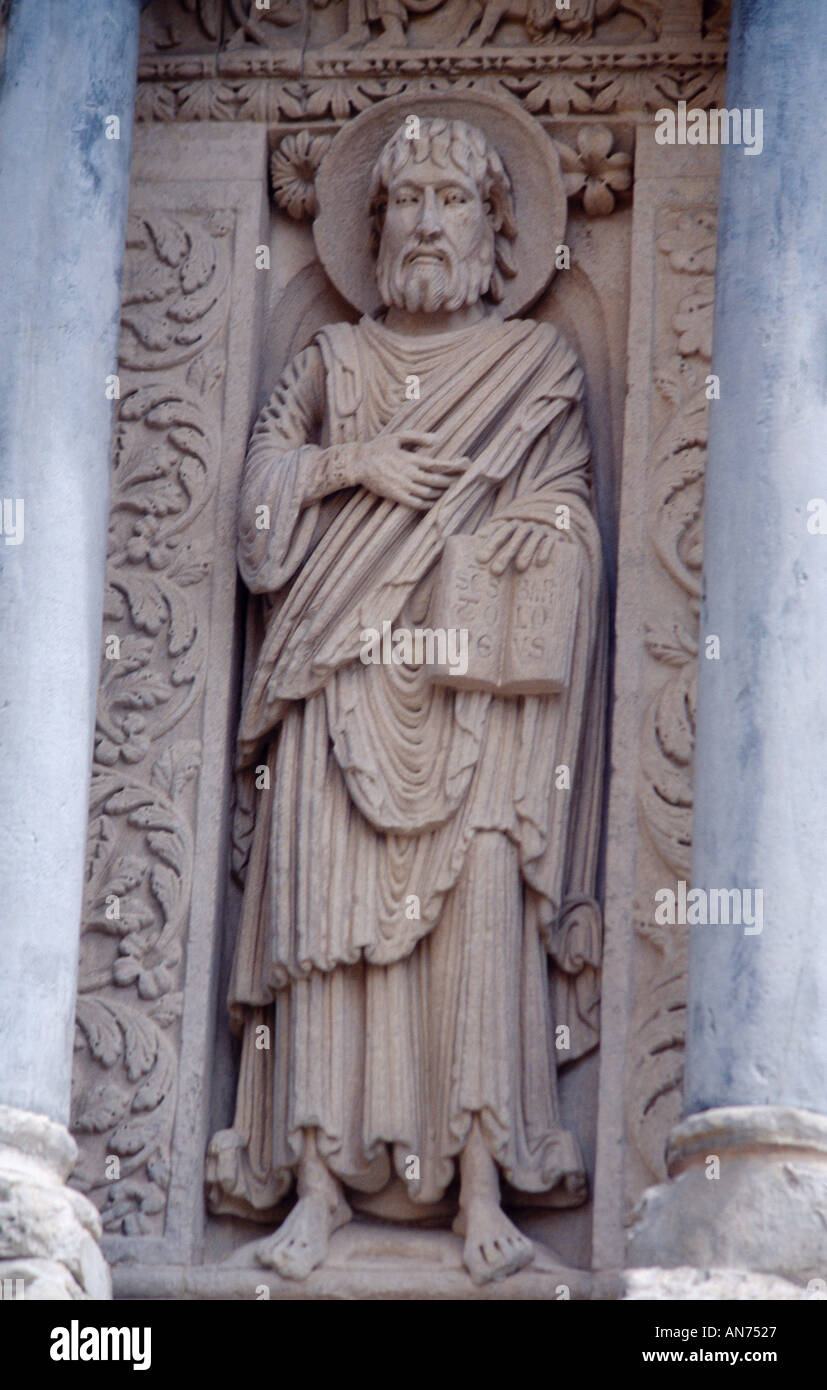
(301, 1241)
(494, 1247)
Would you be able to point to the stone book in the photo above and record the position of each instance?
(520, 624)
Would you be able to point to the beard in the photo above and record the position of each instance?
(421, 286)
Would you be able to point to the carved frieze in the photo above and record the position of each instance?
(297, 61)
(366, 25)
(569, 82)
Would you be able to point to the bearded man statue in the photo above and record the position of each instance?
(418, 930)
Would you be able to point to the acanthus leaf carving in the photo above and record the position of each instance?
(148, 752)
(668, 726)
(174, 286)
(140, 864)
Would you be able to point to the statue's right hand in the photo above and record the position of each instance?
(390, 467)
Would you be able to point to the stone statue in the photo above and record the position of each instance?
(426, 828)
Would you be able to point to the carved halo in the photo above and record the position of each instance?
(342, 226)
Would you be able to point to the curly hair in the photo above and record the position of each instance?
(463, 146)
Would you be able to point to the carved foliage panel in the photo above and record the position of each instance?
(148, 749)
(685, 251)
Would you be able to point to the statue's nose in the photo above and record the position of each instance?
(429, 223)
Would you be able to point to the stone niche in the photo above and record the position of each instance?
(223, 286)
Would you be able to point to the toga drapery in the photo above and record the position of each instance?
(393, 1024)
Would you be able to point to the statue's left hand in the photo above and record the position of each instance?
(524, 542)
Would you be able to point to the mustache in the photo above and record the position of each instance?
(439, 250)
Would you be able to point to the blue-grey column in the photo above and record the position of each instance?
(68, 69)
(757, 1020)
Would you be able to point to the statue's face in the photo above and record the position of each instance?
(437, 245)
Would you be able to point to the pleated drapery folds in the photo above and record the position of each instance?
(414, 861)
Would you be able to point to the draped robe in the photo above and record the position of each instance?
(413, 862)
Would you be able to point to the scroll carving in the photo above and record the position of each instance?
(147, 749)
(667, 735)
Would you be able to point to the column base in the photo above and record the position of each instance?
(49, 1234)
(765, 1211)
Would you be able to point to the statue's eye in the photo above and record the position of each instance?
(455, 196)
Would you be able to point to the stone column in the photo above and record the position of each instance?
(755, 1093)
(66, 109)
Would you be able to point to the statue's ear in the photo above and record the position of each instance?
(494, 210)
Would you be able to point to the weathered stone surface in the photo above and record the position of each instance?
(443, 853)
(306, 80)
(66, 107)
(532, 164)
(365, 1261)
(747, 1189)
(49, 1233)
(63, 186)
(687, 1284)
(589, 305)
(749, 1164)
(161, 777)
(231, 93)
(758, 1026)
(649, 815)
